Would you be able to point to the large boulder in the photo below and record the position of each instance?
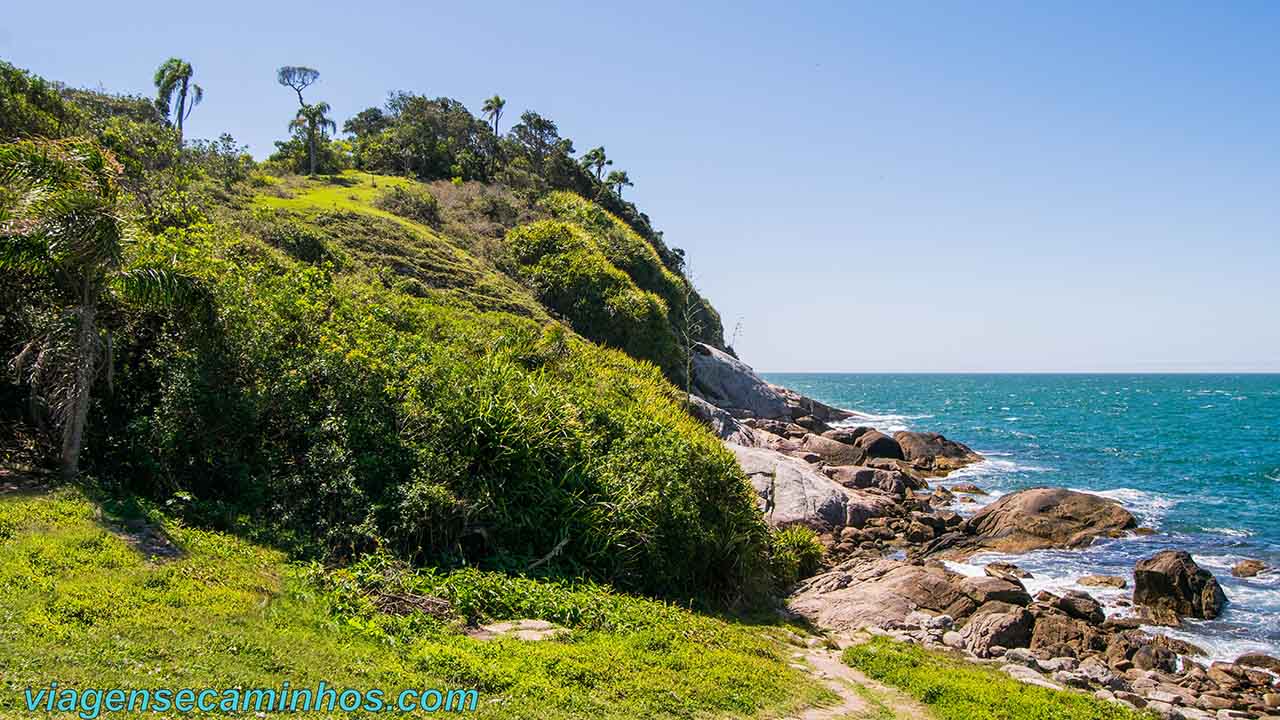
(1056, 630)
(884, 592)
(995, 624)
(730, 384)
(1172, 582)
(862, 477)
(875, 444)
(933, 454)
(792, 492)
(832, 452)
(1046, 518)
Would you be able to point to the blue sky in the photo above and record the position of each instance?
(879, 186)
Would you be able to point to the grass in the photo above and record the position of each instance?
(79, 605)
(954, 689)
(409, 255)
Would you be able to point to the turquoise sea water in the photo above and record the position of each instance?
(1197, 457)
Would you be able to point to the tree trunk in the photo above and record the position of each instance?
(182, 106)
(78, 400)
(311, 143)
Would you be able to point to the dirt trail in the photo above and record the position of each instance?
(860, 696)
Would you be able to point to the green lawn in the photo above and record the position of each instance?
(80, 605)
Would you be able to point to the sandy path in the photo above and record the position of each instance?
(860, 696)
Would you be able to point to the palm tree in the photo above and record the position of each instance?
(174, 76)
(595, 159)
(315, 120)
(64, 221)
(493, 110)
(617, 180)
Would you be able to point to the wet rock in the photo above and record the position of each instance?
(1046, 518)
(1114, 581)
(934, 454)
(967, 489)
(1248, 568)
(1082, 606)
(1172, 582)
(1258, 660)
(1006, 571)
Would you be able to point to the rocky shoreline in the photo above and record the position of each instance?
(888, 533)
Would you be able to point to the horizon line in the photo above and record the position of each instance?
(1019, 372)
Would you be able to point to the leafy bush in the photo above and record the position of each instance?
(413, 202)
(32, 107)
(572, 276)
(338, 416)
(795, 553)
(959, 690)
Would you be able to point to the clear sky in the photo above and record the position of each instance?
(874, 186)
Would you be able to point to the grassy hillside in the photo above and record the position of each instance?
(81, 604)
(352, 362)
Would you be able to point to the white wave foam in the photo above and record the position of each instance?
(1151, 508)
(1232, 532)
(884, 423)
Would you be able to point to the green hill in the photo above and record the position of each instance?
(459, 372)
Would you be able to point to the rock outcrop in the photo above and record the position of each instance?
(1046, 518)
(1171, 583)
(731, 385)
(884, 592)
(1248, 568)
(792, 492)
(725, 426)
(932, 453)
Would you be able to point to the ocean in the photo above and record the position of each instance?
(1196, 457)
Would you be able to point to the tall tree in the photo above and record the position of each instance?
(297, 77)
(174, 77)
(493, 110)
(617, 180)
(314, 119)
(64, 221)
(594, 159)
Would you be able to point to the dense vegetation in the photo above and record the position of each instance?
(80, 605)
(451, 345)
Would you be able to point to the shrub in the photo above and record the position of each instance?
(413, 202)
(336, 416)
(573, 277)
(795, 553)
